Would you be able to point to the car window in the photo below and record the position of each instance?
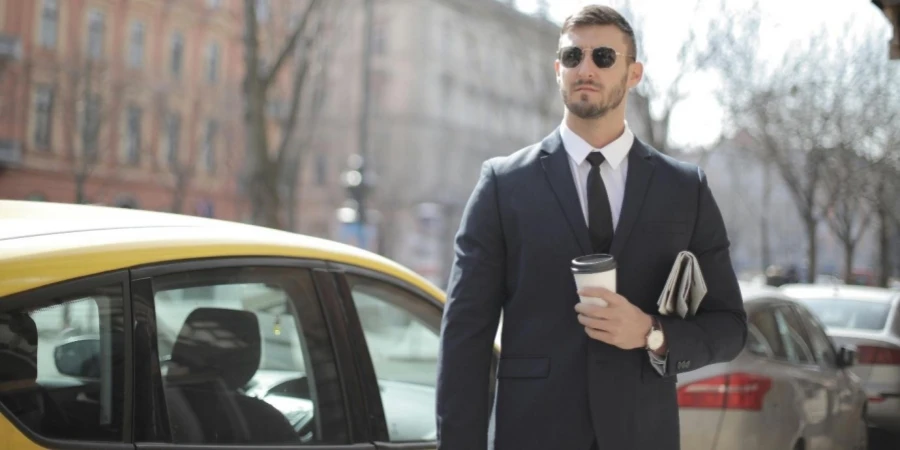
(235, 360)
(756, 342)
(763, 321)
(401, 331)
(62, 364)
(849, 313)
(797, 345)
(822, 348)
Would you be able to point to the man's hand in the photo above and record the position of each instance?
(620, 323)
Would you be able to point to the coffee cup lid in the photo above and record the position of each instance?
(595, 263)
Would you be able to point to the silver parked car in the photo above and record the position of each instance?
(868, 318)
(788, 389)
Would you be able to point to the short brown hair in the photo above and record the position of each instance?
(601, 15)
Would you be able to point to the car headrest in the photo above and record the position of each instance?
(18, 347)
(224, 343)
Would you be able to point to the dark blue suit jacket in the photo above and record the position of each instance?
(557, 388)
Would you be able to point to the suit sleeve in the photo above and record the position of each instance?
(474, 300)
(718, 331)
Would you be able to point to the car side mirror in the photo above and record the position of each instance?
(846, 356)
(78, 357)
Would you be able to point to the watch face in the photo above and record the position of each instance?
(655, 340)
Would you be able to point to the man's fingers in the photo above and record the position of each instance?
(602, 293)
(594, 291)
(600, 335)
(595, 323)
(595, 311)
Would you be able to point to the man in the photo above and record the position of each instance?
(574, 376)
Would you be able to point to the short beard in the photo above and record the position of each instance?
(588, 111)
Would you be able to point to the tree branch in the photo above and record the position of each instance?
(291, 43)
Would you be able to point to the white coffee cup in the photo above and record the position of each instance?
(597, 270)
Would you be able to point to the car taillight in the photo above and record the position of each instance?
(869, 354)
(731, 391)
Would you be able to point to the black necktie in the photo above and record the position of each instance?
(600, 224)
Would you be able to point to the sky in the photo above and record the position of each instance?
(697, 121)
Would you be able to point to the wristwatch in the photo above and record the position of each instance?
(655, 337)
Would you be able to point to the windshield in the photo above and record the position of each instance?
(850, 313)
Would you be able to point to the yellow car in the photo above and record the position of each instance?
(124, 328)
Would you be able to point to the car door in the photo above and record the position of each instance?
(398, 330)
(845, 412)
(64, 368)
(816, 387)
(243, 353)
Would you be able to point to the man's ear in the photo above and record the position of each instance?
(635, 74)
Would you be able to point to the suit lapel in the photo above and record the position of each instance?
(555, 161)
(640, 172)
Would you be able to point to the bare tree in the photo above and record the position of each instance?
(792, 108)
(310, 84)
(878, 141)
(849, 216)
(266, 163)
(857, 180)
(692, 58)
(85, 102)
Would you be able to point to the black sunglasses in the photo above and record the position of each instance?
(603, 57)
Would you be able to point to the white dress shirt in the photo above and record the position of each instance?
(613, 171)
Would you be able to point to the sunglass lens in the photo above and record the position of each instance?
(570, 57)
(604, 57)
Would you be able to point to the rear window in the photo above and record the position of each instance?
(849, 313)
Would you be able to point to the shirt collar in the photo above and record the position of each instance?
(578, 149)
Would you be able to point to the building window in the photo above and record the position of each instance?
(380, 85)
(212, 62)
(43, 116)
(173, 137)
(96, 29)
(263, 10)
(379, 37)
(208, 154)
(90, 132)
(49, 23)
(177, 54)
(136, 46)
(133, 135)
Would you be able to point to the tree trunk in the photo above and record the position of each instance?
(181, 180)
(80, 181)
(811, 225)
(764, 219)
(849, 250)
(292, 195)
(262, 189)
(884, 247)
